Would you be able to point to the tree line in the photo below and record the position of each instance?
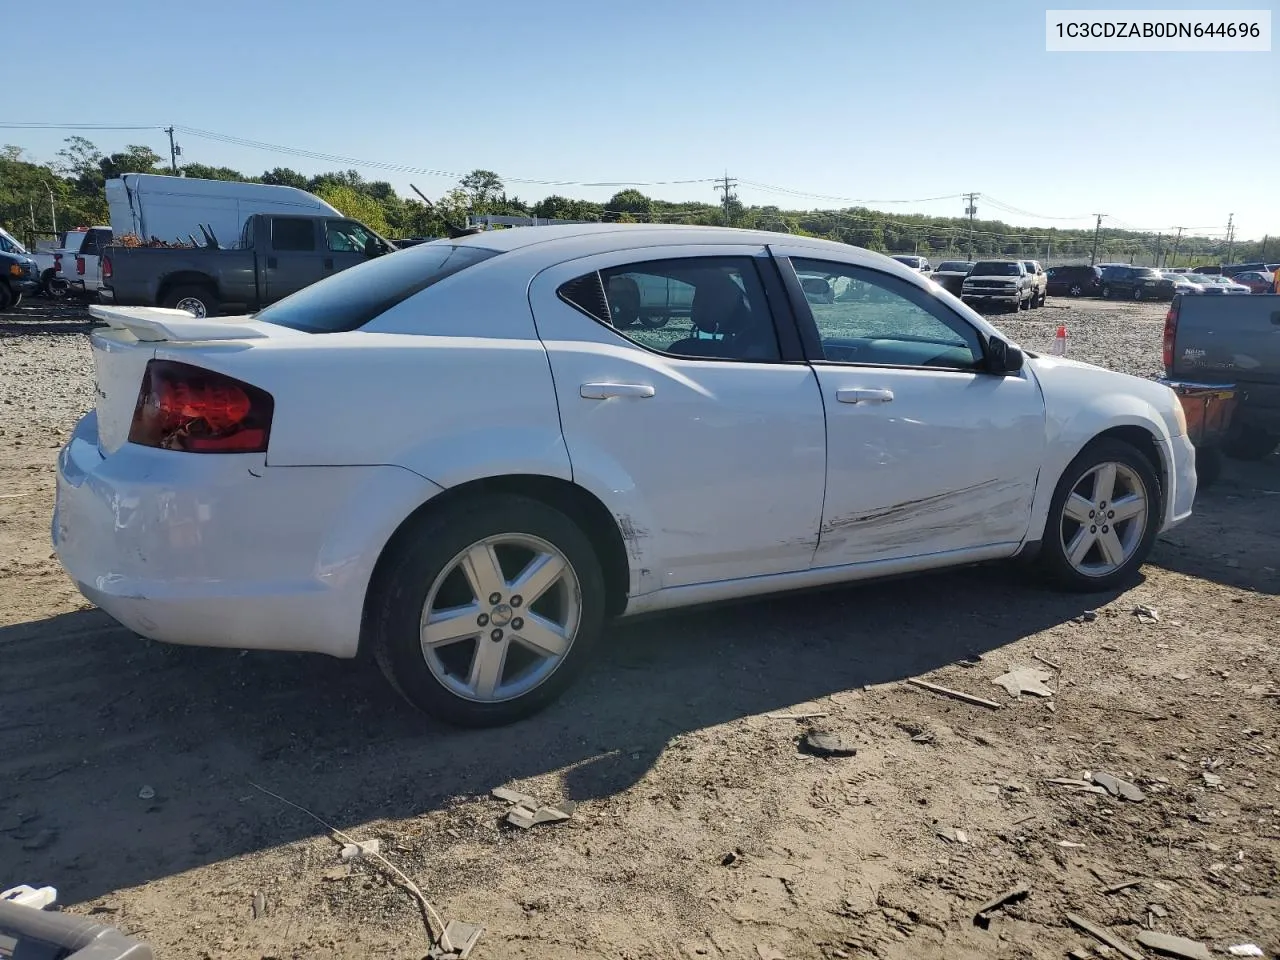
(75, 180)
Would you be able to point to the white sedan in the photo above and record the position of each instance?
(470, 455)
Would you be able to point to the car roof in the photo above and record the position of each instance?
(558, 243)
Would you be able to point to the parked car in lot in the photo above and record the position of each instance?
(1232, 342)
(1135, 283)
(1039, 281)
(1217, 285)
(1003, 283)
(19, 277)
(44, 259)
(1074, 281)
(453, 458)
(920, 264)
(1256, 280)
(950, 275)
(1182, 283)
(276, 256)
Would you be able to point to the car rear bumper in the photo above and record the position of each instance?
(222, 550)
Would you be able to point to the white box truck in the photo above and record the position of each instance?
(173, 208)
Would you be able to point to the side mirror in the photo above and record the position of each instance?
(1003, 358)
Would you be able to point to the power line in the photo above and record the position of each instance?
(825, 196)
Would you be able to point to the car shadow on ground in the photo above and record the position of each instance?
(1233, 538)
(92, 720)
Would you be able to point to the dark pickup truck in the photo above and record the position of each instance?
(1231, 342)
(276, 256)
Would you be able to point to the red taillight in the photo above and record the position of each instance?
(182, 407)
(1170, 333)
(57, 263)
(80, 266)
(106, 268)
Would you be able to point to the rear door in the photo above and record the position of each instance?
(686, 405)
(293, 257)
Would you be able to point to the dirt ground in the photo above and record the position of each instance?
(127, 767)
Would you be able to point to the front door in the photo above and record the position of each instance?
(293, 259)
(685, 411)
(927, 453)
(346, 242)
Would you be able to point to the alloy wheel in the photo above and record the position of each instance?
(1104, 519)
(500, 618)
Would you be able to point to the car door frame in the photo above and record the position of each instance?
(812, 344)
(274, 271)
(606, 480)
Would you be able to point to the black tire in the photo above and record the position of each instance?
(1250, 443)
(1075, 290)
(8, 299)
(53, 286)
(1106, 291)
(422, 553)
(1208, 466)
(1053, 559)
(1035, 300)
(653, 323)
(189, 294)
(1137, 293)
(17, 301)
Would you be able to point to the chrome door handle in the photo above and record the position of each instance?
(603, 391)
(863, 395)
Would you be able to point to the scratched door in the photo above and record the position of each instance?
(926, 452)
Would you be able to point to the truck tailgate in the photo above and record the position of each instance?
(1227, 339)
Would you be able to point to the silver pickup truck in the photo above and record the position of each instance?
(1226, 342)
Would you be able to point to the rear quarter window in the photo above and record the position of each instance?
(350, 299)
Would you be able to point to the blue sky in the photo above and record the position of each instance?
(891, 100)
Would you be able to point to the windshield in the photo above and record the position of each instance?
(909, 261)
(954, 266)
(350, 299)
(9, 244)
(994, 268)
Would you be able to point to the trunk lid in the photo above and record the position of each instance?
(132, 336)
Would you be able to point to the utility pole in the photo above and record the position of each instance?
(727, 186)
(1231, 239)
(174, 150)
(1093, 257)
(53, 212)
(1159, 241)
(1263, 255)
(971, 210)
(1176, 244)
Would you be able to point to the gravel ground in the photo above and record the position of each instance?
(127, 767)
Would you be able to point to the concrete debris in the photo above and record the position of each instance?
(147, 793)
(1246, 950)
(259, 904)
(1025, 680)
(1212, 780)
(1103, 936)
(528, 812)
(456, 942)
(826, 743)
(982, 918)
(1070, 845)
(1146, 614)
(1082, 786)
(1174, 946)
(361, 848)
(336, 873)
(953, 835)
(765, 952)
(1119, 788)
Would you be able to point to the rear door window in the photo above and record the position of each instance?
(293, 234)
